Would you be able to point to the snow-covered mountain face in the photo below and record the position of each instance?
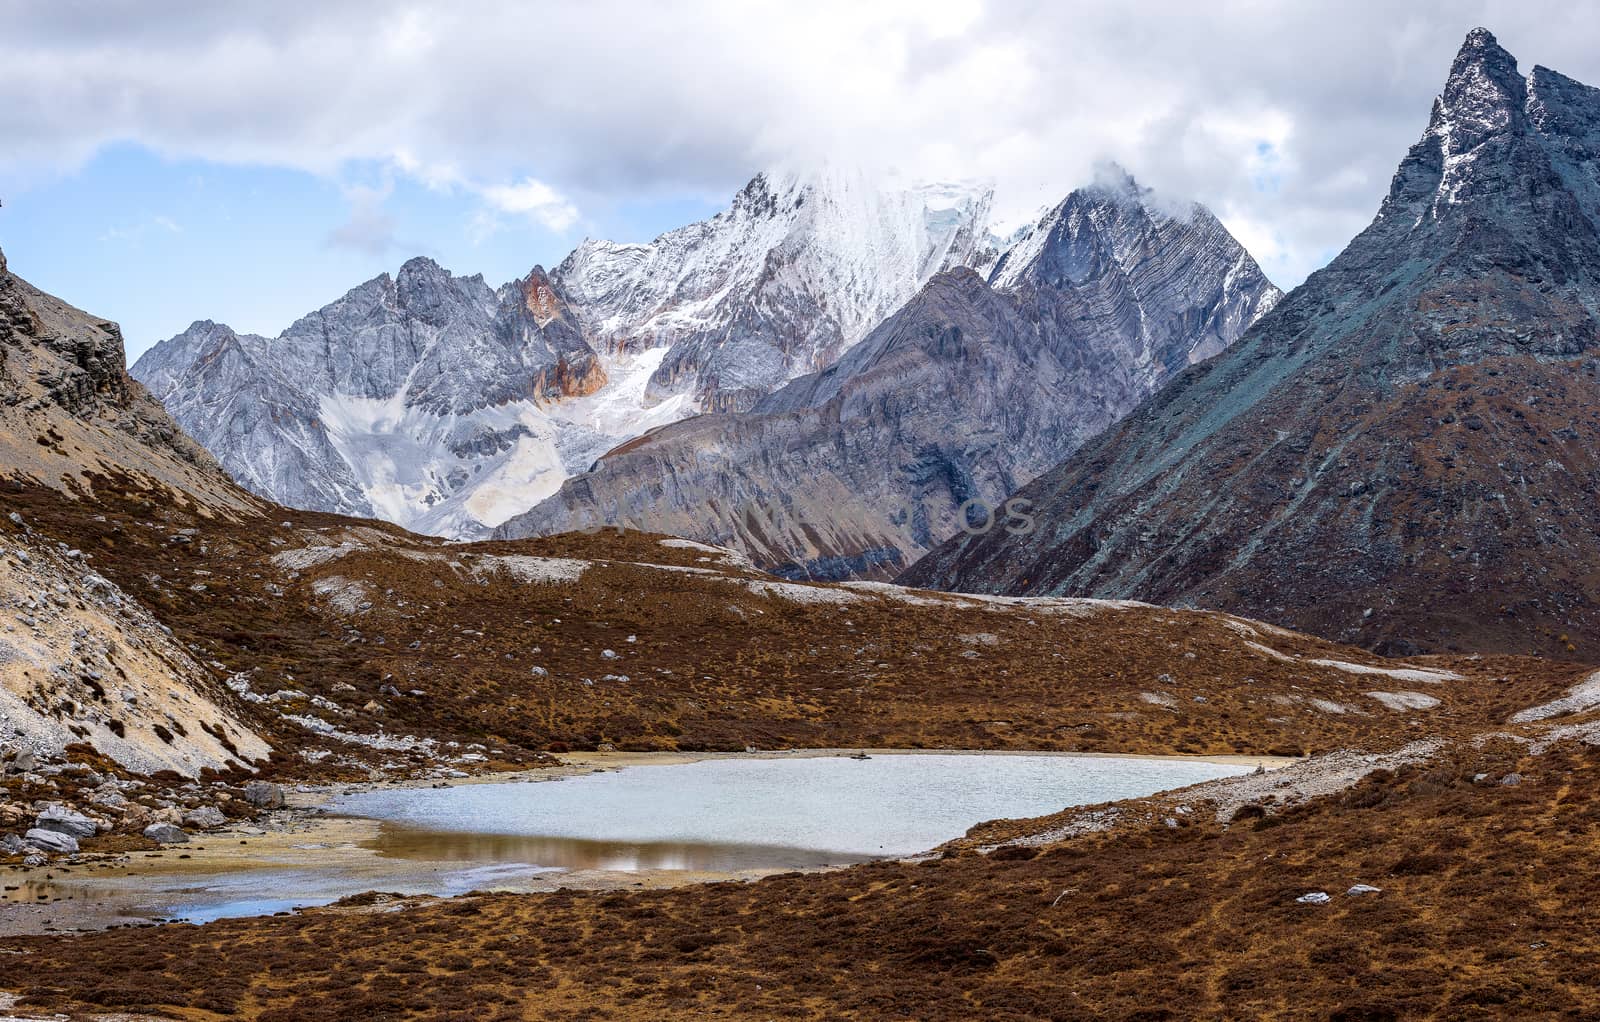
(448, 407)
(424, 399)
(797, 270)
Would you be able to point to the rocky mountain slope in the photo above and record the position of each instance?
(69, 410)
(81, 662)
(968, 391)
(1404, 452)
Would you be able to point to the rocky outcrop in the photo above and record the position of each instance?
(1405, 452)
(69, 411)
(958, 398)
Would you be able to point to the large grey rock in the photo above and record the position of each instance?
(204, 818)
(52, 841)
(971, 389)
(166, 834)
(64, 821)
(263, 795)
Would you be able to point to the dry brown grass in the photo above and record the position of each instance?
(1485, 913)
(715, 666)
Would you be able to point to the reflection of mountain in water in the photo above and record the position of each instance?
(399, 841)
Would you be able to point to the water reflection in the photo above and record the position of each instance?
(399, 841)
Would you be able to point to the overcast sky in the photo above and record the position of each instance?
(248, 162)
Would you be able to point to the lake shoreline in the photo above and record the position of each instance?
(306, 843)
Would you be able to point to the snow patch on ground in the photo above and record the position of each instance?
(682, 569)
(732, 558)
(1403, 701)
(1329, 706)
(390, 743)
(1583, 696)
(914, 597)
(1268, 651)
(798, 593)
(1074, 606)
(1398, 673)
(312, 556)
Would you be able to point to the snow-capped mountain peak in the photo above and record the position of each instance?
(797, 269)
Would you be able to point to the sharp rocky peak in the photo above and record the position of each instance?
(1483, 96)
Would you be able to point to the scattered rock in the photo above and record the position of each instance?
(1358, 890)
(204, 818)
(1511, 780)
(166, 834)
(1314, 898)
(263, 795)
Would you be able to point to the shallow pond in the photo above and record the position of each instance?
(757, 813)
(641, 824)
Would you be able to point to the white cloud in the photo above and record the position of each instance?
(543, 109)
(533, 199)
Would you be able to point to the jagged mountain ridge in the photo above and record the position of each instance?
(418, 398)
(960, 396)
(434, 402)
(69, 411)
(1404, 452)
